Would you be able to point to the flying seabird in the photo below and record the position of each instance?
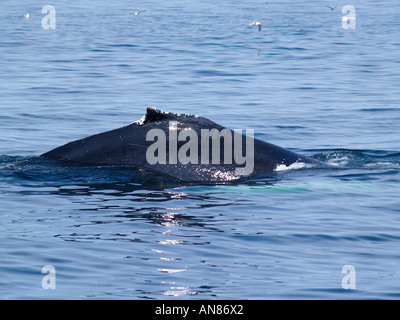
(255, 23)
(136, 13)
(26, 15)
(331, 8)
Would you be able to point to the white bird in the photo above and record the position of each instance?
(26, 15)
(255, 23)
(136, 13)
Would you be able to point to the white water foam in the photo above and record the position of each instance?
(294, 166)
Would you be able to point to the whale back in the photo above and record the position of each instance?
(130, 146)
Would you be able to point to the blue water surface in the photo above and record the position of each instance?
(303, 82)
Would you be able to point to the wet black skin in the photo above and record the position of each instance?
(127, 146)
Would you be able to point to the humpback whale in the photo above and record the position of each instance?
(188, 147)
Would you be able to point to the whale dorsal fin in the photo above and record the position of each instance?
(155, 115)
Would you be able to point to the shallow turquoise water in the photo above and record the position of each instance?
(303, 83)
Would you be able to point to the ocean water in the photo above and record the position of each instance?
(303, 82)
